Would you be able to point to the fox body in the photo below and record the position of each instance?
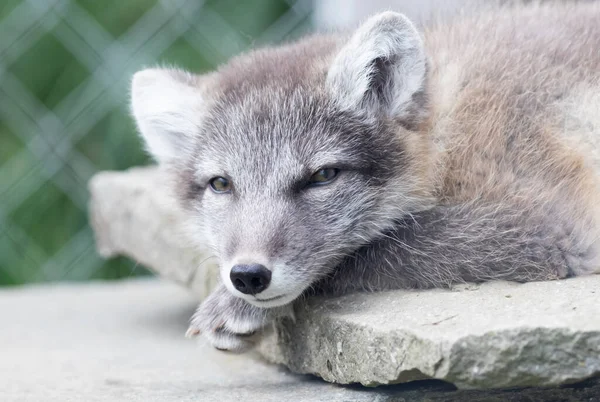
(385, 159)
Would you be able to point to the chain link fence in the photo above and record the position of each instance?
(65, 67)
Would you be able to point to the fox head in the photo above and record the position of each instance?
(289, 159)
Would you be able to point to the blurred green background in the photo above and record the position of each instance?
(64, 74)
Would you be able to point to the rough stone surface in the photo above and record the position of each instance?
(109, 341)
(490, 336)
(133, 214)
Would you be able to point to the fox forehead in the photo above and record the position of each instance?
(293, 131)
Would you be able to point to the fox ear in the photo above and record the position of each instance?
(167, 105)
(382, 68)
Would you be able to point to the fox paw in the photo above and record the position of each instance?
(230, 323)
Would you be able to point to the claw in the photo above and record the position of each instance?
(192, 332)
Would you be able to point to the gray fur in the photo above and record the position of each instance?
(442, 180)
(230, 323)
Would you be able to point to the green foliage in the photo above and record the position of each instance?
(64, 116)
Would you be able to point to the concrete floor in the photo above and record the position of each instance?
(123, 341)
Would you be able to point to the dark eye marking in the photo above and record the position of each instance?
(196, 188)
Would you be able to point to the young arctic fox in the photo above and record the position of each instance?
(386, 159)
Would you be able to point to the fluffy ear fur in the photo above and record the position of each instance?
(167, 105)
(382, 68)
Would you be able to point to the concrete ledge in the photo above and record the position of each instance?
(489, 336)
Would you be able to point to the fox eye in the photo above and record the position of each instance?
(220, 185)
(323, 176)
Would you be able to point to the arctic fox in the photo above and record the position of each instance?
(385, 159)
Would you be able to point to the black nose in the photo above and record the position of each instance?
(250, 279)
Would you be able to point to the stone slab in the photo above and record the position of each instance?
(490, 336)
(133, 214)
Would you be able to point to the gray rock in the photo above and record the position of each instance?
(133, 214)
(489, 336)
